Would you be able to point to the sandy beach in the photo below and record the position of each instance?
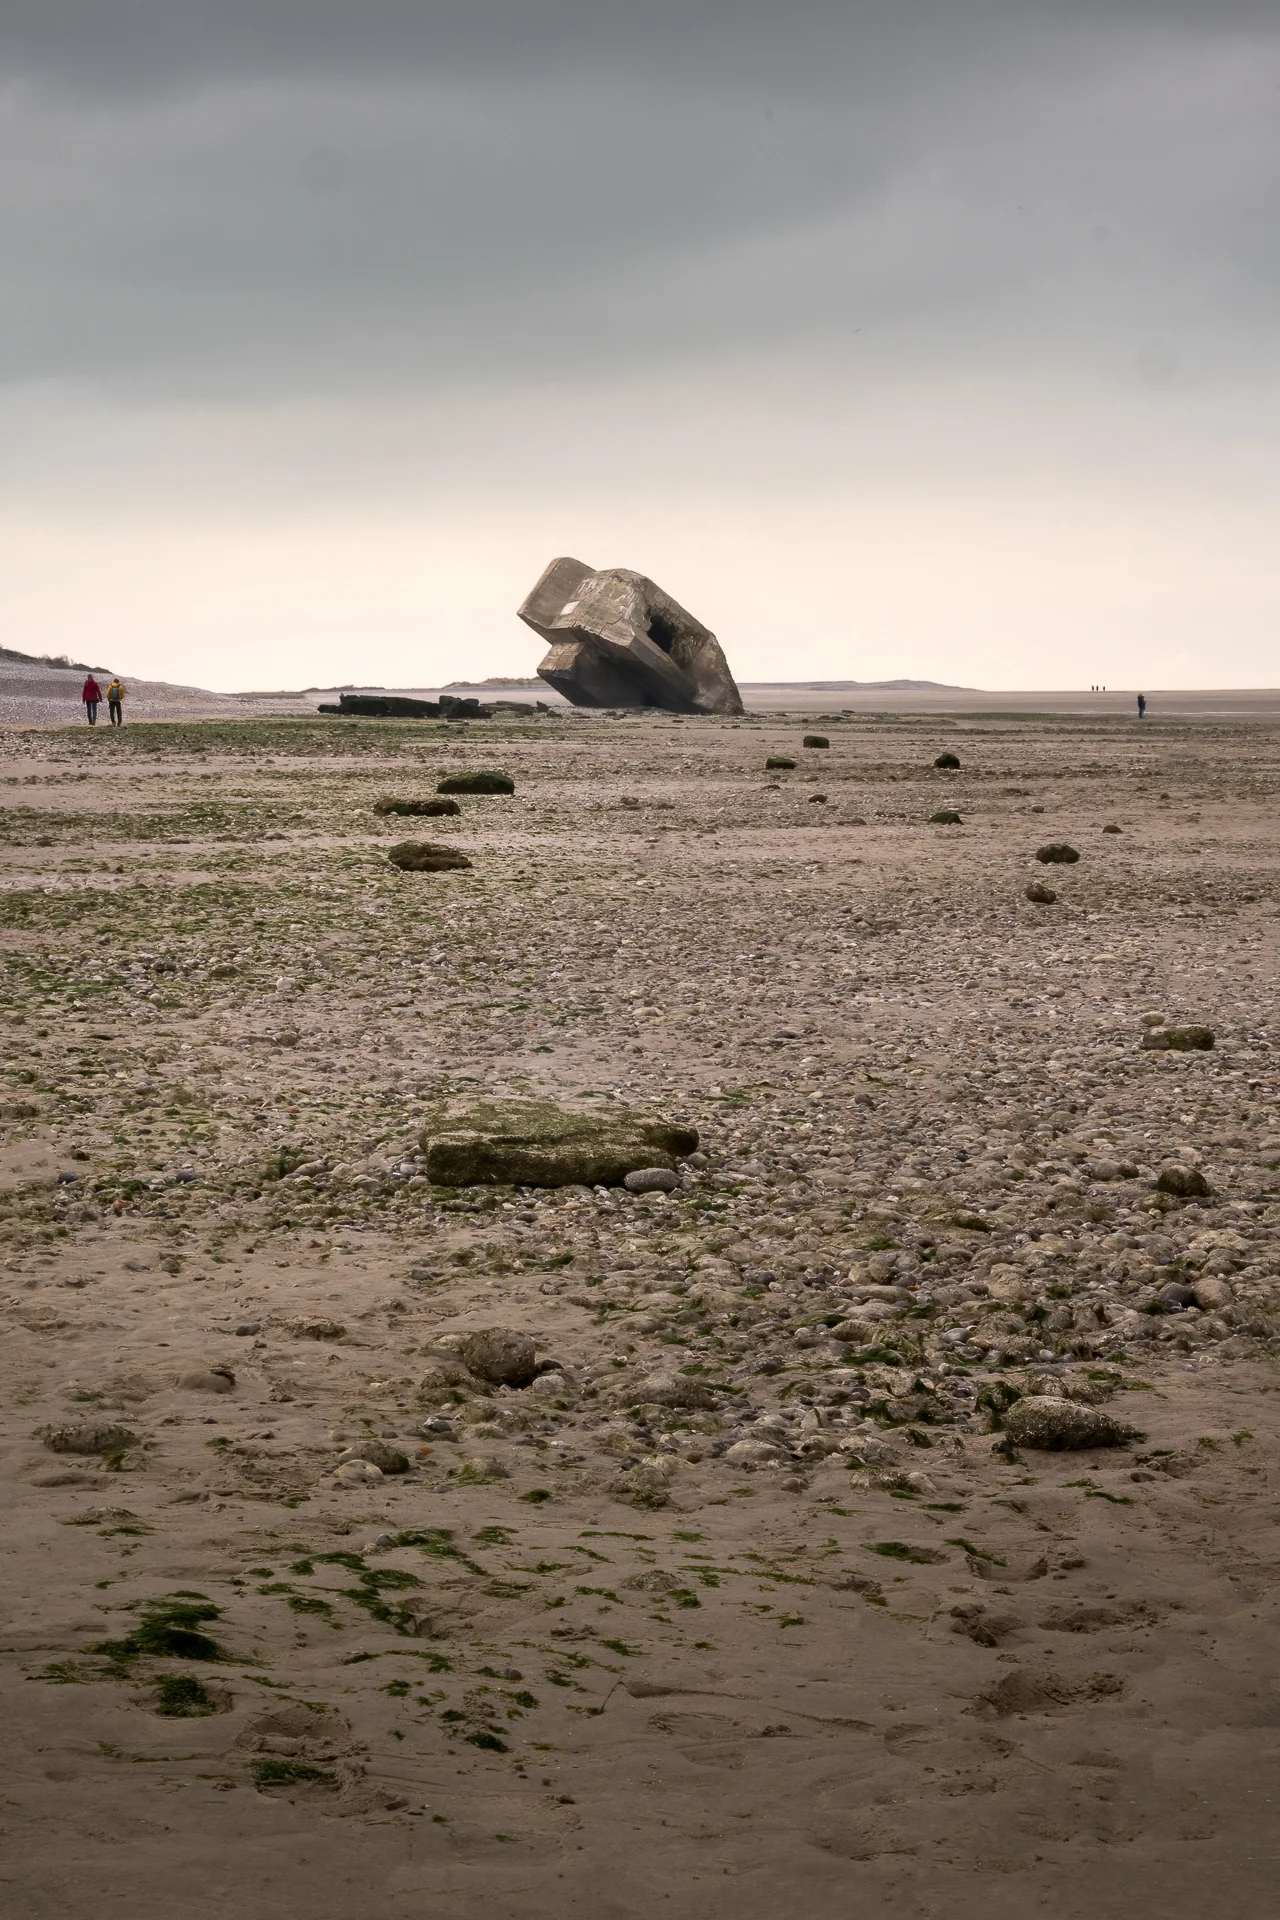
(547, 1657)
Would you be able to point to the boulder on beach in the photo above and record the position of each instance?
(1046, 1422)
(1057, 854)
(536, 1143)
(1178, 1039)
(422, 856)
(503, 1358)
(483, 781)
(433, 808)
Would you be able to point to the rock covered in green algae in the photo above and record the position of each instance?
(479, 782)
(535, 1143)
(500, 1356)
(1186, 1183)
(428, 807)
(88, 1439)
(1178, 1039)
(1062, 1425)
(422, 856)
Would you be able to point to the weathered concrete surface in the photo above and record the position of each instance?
(617, 640)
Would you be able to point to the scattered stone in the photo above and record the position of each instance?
(535, 1143)
(318, 1330)
(432, 808)
(1113, 829)
(208, 1380)
(648, 1484)
(1211, 1294)
(1164, 1039)
(479, 782)
(1044, 1422)
(778, 763)
(422, 856)
(755, 1453)
(1185, 1183)
(652, 1180)
(817, 799)
(549, 1386)
(1177, 1296)
(947, 760)
(503, 1358)
(1007, 1284)
(945, 817)
(617, 640)
(815, 740)
(1057, 854)
(1037, 891)
(376, 1453)
(103, 1440)
(356, 1473)
(672, 1390)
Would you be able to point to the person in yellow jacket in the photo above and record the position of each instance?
(115, 702)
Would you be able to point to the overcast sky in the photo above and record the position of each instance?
(927, 338)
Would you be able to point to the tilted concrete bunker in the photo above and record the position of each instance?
(617, 640)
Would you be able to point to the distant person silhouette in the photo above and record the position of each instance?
(1142, 705)
(91, 694)
(115, 702)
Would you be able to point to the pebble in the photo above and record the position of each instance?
(652, 1180)
(356, 1473)
(1186, 1183)
(376, 1453)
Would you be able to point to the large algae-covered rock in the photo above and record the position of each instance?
(480, 782)
(503, 1358)
(1062, 1425)
(426, 856)
(535, 1143)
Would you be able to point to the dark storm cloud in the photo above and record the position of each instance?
(268, 198)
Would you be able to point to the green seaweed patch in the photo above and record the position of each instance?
(900, 1550)
(289, 1773)
(170, 1629)
(184, 1696)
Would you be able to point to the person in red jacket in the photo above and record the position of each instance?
(91, 694)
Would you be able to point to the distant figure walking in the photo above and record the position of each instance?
(115, 702)
(1142, 705)
(91, 694)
